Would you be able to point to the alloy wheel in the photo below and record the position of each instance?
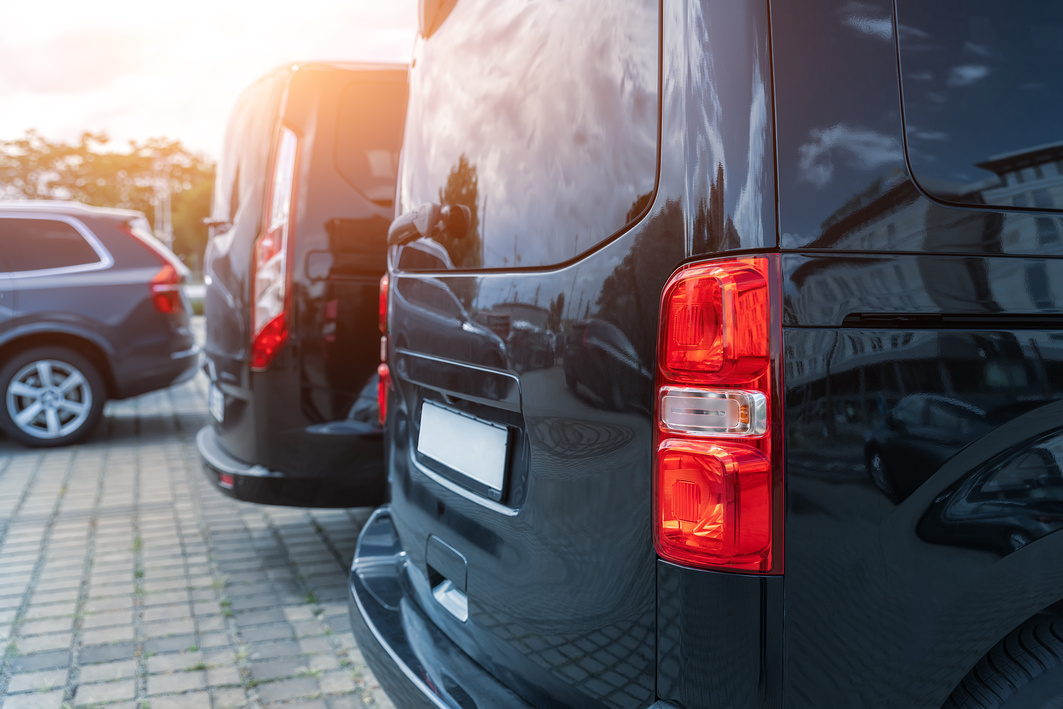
(49, 399)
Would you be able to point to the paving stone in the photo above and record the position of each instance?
(37, 700)
(228, 698)
(105, 692)
(169, 628)
(37, 681)
(278, 631)
(177, 682)
(269, 650)
(106, 653)
(175, 661)
(170, 644)
(109, 618)
(164, 613)
(40, 661)
(261, 617)
(265, 671)
(347, 702)
(221, 676)
(108, 671)
(113, 603)
(98, 636)
(288, 689)
(189, 700)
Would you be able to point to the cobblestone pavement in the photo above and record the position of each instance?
(127, 580)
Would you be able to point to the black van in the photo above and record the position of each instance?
(302, 202)
(832, 232)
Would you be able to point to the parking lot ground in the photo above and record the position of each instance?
(127, 580)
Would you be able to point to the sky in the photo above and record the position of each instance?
(139, 70)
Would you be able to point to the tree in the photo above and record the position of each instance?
(466, 250)
(34, 167)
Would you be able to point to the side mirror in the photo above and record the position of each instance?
(413, 225)
(430, 220)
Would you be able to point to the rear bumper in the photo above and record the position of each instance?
(361, 483)
(181, 367)
(414, 662)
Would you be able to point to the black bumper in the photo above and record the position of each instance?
(181, 367)
(254, 483)
(415, 663)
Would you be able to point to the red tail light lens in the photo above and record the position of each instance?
(382, 387)
(384, 304)
(718, 481)
(166, 290)
(269, 320)
(384, 374)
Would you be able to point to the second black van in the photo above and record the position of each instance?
(301, 207)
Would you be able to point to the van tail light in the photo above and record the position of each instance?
(383, 373)
(384, 304)
(166, 290)
(270, 295)
(718, 467)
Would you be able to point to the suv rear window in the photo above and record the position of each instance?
(41, 244)
(368, 136)
(981, 83)
(548, 132)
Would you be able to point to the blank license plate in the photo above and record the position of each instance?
(216, 403)
(471, 447)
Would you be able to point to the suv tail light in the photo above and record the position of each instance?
(166, 290)
(270, 284)
(384, 374)
(718, 477)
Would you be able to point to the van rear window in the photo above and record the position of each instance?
(982, 88)
(369, 134)
(541, 118)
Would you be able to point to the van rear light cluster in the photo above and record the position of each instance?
(718, 477)
(166, 290)
(383, 373)
(270, 280)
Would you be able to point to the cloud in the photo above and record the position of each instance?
(862, 18)
(853, 147)
(967, 74)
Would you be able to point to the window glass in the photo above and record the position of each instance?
(541, 118)
(982, 87)
(241, 173)
(36, 244)
(369, 134)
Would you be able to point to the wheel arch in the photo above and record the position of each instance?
(82, 344)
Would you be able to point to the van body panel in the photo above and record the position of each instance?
(922, 360)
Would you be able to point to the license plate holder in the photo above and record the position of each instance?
(469, 450)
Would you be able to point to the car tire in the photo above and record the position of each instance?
(1024, 671)
(63, 389)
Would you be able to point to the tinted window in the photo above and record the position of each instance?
(369, 134)
(983, 88)
(36, 244)
(542, 119)
(241, 172)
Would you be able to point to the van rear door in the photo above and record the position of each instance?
(521, 490)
